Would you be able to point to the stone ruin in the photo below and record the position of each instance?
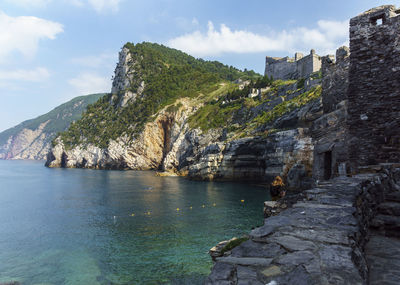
(329, 132)
(292, 68)
(361, 98)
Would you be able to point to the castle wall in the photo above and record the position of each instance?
(308, 64)
(374, 87)
(335, 79)
(283, 68)
(292, 68)
(329, 132)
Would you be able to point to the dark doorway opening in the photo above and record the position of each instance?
(327, 165)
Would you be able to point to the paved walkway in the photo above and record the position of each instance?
(317, 241)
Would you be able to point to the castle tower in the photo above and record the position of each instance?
(374, 87)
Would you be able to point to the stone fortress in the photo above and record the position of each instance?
(345, 230)
(292, 68)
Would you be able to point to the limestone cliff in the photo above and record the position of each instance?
(145, 152)
(215, 130)
(32, 139)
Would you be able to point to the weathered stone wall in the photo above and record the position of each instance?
(335, 79)
(308, 64)
(280, 68)
(374, 87)
(292, 68)
(329, 132)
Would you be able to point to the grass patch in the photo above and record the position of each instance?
(213, 115)
(288, 106)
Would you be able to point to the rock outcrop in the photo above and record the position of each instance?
(32, 139)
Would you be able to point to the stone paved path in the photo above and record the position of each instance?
(345, 231)
(317, 241)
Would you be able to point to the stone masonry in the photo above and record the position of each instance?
(292, 68)
(329, 132)
(374, 87)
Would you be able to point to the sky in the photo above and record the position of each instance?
(54, 50)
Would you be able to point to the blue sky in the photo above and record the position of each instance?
(54, 50)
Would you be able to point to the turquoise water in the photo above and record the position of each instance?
(74, 226)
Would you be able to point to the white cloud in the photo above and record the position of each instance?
(95, 61)
(325, 38)
(29, 3)
(23, 34)
(89, 83)
(34, 75)
(105, 5)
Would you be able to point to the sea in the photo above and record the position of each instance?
(81, 226)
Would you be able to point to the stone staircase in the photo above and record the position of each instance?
(383, 249)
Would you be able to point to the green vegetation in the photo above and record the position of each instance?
(219, 113)
(316, 75)
(59, 118)
(300, 83)
(214, 115)
(168, 74)
(288, 106)
(232, 244)
(234, 106)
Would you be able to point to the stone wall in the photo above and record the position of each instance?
(292, 68)
(374, 87)
(308, 64)
(329, 132)
(335, 79)
(280, 68)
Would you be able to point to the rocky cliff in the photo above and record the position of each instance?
(32, 139)
(225, 128)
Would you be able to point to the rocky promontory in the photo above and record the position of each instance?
(219, 129)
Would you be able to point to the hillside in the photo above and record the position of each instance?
(172, 112)
(149, 78)
(31, 139)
